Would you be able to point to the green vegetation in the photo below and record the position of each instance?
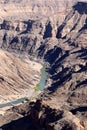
(37, 87)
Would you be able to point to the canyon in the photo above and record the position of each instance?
(34, 34)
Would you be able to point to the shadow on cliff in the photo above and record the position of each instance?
(82, 83)
(81, 53)
(28, 24)
(79, 109)
(81, 8)
(53, 54)
(61, 78)
(24, 123)
(48, 31)
(58, 62)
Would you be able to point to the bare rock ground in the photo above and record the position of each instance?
(61, 44)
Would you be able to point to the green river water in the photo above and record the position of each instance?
(39, 86)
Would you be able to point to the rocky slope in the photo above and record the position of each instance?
(28, 8)
(62, 46)
(18, 75)
(19, 17)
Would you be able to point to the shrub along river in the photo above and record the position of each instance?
(40, 86)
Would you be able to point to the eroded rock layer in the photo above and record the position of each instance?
(61, 44)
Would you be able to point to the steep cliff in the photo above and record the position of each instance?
(61, 44)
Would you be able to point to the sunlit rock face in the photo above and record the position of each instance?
(35, 9)
(18, 76)
(31, 17)
(55, 32)
(15, 16)
(74, 27)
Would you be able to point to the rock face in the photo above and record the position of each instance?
(17, 76)
(54, 119)
(74, 26)
(61, 44)
(37, 9)
(41, 116)
(24, 21)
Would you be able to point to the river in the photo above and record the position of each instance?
(41, 86)
(43, 79)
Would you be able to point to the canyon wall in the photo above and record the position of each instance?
(55, 31)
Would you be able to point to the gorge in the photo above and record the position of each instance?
(34, 34)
